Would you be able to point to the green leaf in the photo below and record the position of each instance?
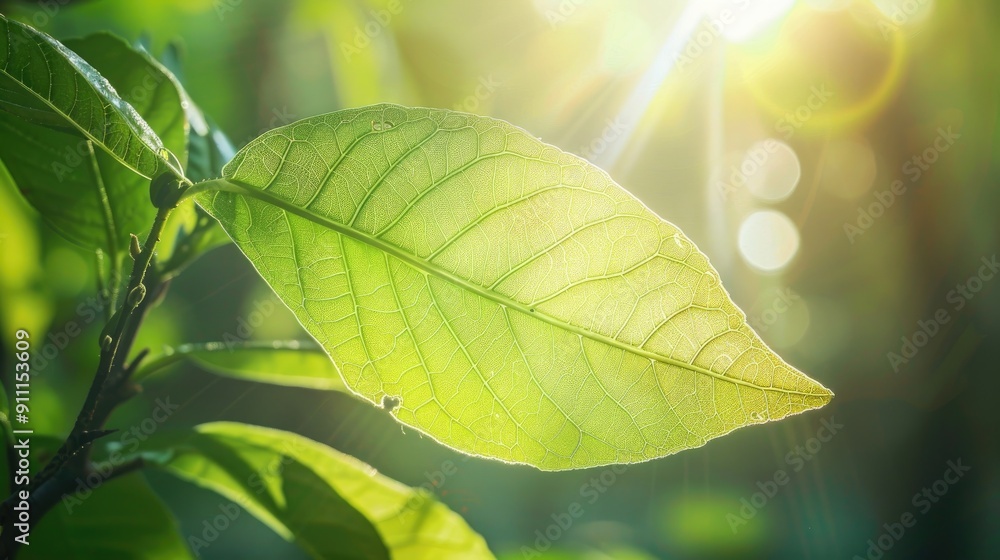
(332, 505)
(145, 84)
(121, 520)
(289, 362)
(84, 193)
(520, 304)
(42, 80)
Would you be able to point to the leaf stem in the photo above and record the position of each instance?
(174, 355)
(210, 185)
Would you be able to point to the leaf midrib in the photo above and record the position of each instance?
(429, 269)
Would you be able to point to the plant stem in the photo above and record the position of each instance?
(58, 477)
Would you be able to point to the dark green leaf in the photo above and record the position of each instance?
(43, 80)
(329, 503)
(82, 192)
(119, 520)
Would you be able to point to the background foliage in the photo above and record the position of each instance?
(589, 76)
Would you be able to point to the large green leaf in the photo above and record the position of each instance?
(519, 303)
(82, 192)
(120, 520)
(332, 505)
(42, 80)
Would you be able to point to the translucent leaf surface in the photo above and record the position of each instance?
(517, 301)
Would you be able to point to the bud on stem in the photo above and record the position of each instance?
(136, 296)
(166, 189)
(134, 248)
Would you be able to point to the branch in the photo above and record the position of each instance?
(57, 478)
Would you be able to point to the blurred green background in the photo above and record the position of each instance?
(773, 133)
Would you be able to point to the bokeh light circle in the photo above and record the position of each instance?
(768, 240)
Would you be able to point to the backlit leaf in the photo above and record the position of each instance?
(517, 301)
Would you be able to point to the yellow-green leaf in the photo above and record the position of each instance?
(518, 302)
